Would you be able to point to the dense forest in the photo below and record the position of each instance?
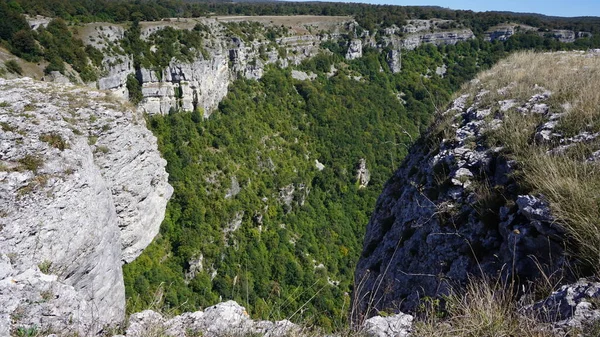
(268, 209)
(369, 17)
(229, 233)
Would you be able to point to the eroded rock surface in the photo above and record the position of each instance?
(453, 210)
(82, 189)
(398, 325)
(224, 319)
(572, 306)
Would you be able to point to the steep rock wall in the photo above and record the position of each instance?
(452, 210)
(203, 82)
(82, 189)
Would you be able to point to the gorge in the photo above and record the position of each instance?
(260, 145)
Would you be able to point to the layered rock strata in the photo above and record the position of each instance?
(82, 189)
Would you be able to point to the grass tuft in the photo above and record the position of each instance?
(483, 308)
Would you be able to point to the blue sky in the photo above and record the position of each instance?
(548, 7)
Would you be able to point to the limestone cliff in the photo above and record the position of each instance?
(82, 189)
(202, 83)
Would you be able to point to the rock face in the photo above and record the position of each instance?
(354, 49)
(504, 32)
(82, 189)
(117, 69)
(412, 41)
(363, 176)
(223, 319)
(394, 58)
(189, 86)
(500, 33)
(398, 325)
(453, 210)
(572, 306)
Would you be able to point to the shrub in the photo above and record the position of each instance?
(135, 89)
(13, 67)
(55, 140)
(45, 266)
(31, 162)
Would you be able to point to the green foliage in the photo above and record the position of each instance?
(134, 88)
(12, 21)
(27, 332)
(31, 162)
(45, 266)
(169, 43)
(25, 46)
(13, 66)
(265, 137)
(55, 140)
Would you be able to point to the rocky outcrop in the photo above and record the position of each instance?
(504, 32)
(564, 35)
(412, 41)
(573, 306)
(363, 176)
(116, 69)
(453, 210)
(303, 76)
(394, 59)
(37, 21)
(82, 189)
(354, 49)
(500, 33)
(201, 84)
(399, 325)
(224, 319)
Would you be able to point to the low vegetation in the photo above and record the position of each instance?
(567, 177)
(12, 66)
(483, 308)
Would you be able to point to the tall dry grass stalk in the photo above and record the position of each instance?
(483, 308)
(569, 182)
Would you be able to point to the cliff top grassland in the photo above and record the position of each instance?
(555, 150)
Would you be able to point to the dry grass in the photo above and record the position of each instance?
(484, 308)
(568, 182)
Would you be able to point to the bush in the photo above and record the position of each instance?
(25, 45)
(13, 67)
(55, 140)
(31, 163)
(135, 89)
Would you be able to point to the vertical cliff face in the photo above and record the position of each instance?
(201, 84)
(82, 189)
(229, 54)
(492, 189)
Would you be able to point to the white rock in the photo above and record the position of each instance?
(85, 208)
(319, 165)
(392, 326)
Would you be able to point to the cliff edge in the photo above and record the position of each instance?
(82, 189)
(500, 187)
